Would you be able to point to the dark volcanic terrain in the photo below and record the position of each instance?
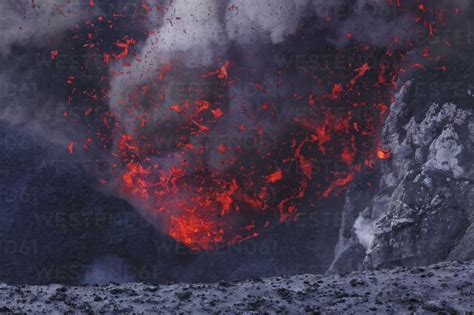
(447, 287)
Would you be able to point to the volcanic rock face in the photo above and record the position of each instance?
(420, 209)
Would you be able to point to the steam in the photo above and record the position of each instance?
(107, 269)
(364, 230)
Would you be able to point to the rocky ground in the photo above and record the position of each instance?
(447, 287)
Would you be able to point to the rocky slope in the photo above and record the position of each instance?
(418, 208)
(446, 287)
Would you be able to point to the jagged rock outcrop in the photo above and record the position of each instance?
(420, 208)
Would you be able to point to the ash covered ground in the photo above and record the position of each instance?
(446, 288)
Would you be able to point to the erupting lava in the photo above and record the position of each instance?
(205, 204)
(210, 168)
